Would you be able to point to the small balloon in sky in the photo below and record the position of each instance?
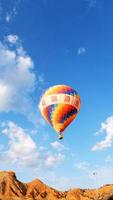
(59, 106)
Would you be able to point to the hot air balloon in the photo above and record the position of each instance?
(59, 106)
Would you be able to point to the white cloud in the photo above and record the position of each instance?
(82, 165)
(106, 127)
(22, 150)
(8, 17)
(12, 10)
(53, 160)
(81, 51)
(57, 145)
(11, 14)
(17, 79)
(109, 159)
(4, 96)
(12, 38)
(41, 79)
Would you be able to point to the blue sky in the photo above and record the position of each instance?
(49, 42)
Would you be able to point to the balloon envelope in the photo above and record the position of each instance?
(59, 106)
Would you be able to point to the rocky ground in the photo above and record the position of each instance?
(13, 189)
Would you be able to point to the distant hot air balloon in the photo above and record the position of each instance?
(59, 106)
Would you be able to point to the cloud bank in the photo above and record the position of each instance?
(17, 78)
(107, 128)
(23, 152)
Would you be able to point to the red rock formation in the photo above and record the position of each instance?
(12, 189)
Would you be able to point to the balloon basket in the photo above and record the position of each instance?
(60, 136)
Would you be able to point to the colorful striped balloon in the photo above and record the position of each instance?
(59, 106)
